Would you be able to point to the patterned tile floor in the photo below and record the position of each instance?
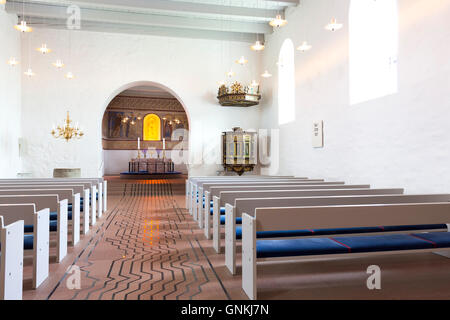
(148, 247)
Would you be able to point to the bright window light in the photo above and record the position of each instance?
(373, 32)
(286, 83)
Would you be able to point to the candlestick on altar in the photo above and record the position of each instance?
(164, 144)
(139, 143)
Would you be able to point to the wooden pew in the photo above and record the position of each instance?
(249, 206)
(195, 181)
(62, 214)
(198, 212)
(14, 208)
(84, 188)
(217, 206)
(11, 259)
(296, 218)
(211, 190)
(73, 199)
(74, 202)
(99, 184)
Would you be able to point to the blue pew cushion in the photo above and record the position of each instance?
(437, 239)
(222, 210)
(222, 219)
(54, 216)
(382, 243)
(318, 246)
(297, 247)
(317, 232)
(28, 240)
(30, 228)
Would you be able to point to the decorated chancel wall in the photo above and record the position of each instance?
(152, 120)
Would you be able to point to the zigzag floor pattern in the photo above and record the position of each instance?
(145, 249)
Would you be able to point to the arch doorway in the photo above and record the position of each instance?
(145, 121)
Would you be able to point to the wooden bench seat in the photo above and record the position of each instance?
(323, 217)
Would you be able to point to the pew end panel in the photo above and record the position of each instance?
(93, 206)
(41, 247)
(216, 225)
(187, 193)
(230, 238)
(76, 219)
(100, 200)
(105, 196)
(207, 215)
(249, 256)
(62, 230)
(11, 260)
(86, 211)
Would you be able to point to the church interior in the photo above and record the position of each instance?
(224, 150)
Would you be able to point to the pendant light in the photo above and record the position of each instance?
(29, 73)
(278, 22)
(69, 75)
(22, 26)
(13, 61)
(242, 61)
(333, 25)
(58, 64)
(43, 49)
(304, 47)
(258, 46)
(266, 74)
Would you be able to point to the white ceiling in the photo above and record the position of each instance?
(239, 20)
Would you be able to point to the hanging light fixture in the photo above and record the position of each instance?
(2, 1)
(29, 73)
(333, 25)
(67, 132)
(22, 27)
(230, 73)
(242, 61)
(266, 74)
(254, 83)
(278, 22)
(13, 61)
(58, 64)
(304, 47)
(258, 46)
(69, 75)
(43, 49)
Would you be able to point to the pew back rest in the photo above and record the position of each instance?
(61, 193)
(215, 191)
(208, 186)
(15, 212)
(77, 188)
(195, 180)
(249, 205)
(296, 218)
(231, 196)
(41, 202)
(201, 183)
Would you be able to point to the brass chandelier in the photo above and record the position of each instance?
(66, 131)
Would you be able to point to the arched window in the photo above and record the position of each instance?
(152, 128)
(373, 32)
(286, 83)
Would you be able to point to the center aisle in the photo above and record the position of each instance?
(146, 248)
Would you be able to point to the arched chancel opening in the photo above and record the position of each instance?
(146, 121)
